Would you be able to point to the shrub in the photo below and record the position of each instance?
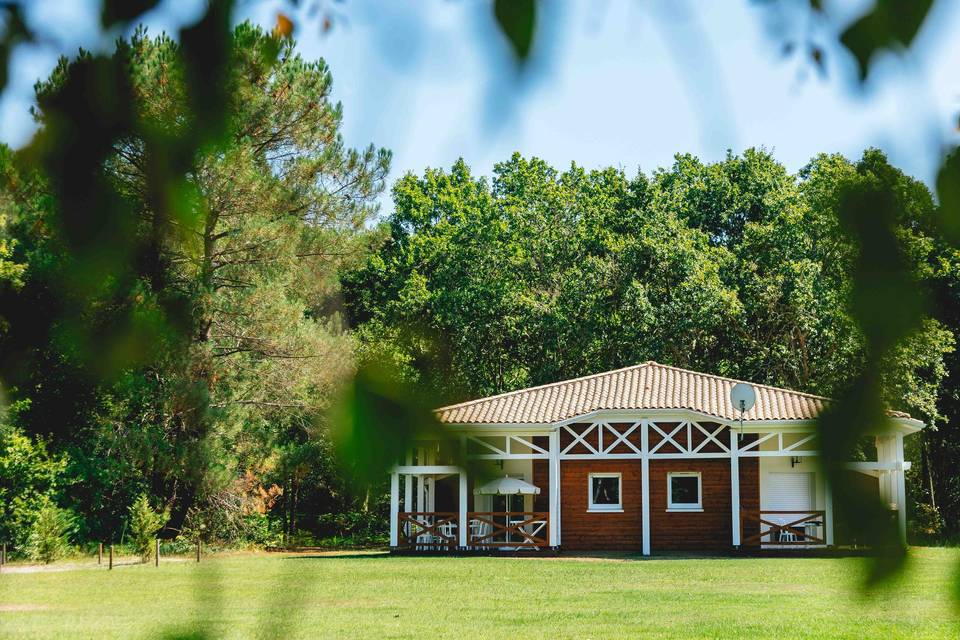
(927, 522)
(29, 475)
(230, 526)
(361, 527)
(49, 537)
(145, 523)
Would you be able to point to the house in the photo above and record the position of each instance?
(646, 458)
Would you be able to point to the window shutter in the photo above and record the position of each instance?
(789, 491)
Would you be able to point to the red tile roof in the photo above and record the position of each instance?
(644, 386)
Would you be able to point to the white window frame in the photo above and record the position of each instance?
(605, 508)
(684, 506)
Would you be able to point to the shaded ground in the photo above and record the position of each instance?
(364, 594)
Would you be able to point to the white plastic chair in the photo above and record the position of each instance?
(425, 539)
(480, 529)
(449, 531)
(785, 535)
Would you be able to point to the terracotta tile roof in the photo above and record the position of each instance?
(644, 386)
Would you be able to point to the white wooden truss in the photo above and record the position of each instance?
(682, 439)
(507, 446)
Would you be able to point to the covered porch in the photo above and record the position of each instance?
(796, 505)
(501, 503)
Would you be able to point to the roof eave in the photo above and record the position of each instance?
(905, 425)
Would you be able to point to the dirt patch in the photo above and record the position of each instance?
(66, 566)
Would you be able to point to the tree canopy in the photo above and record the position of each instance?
(735, 267)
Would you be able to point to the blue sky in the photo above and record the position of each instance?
(619, 83)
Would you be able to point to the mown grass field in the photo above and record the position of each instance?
(377, 596)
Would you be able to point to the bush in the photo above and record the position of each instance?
(49, 537)
(927, 522)
(360, 527)
(231, 527)
(145, 523)
(29, 475)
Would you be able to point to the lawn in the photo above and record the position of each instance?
(375, 596)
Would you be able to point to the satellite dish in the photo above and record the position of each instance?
(743, 397)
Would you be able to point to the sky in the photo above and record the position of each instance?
(610, 82)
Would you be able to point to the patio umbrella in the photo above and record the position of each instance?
(507, 486)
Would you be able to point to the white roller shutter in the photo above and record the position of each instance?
(789, 491)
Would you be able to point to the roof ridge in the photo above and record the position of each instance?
(467, 403)
(752, 384)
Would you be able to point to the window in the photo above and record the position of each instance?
(683, 491)
(604, 492)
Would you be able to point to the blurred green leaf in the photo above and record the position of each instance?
(205, 48)
(15, 32)
(891, 23)
(869, 213)
(948, 191)
(115, 11)
(378, 417)
(517, 20)
(881, 272)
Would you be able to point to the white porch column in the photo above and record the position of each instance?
(735, 486)
(462, 524)
(554, 486)
(394, 508)
(645, 486)
(828, 511)
(429, 482)
(408, 486)
(901, 486)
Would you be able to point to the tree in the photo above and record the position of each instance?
(228, 303)
(50, 532)
(145, 524)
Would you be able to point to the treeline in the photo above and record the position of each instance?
(241, 316)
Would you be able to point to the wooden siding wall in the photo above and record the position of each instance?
(541, 477)
(706, 530)
(711, 528)
(580, 530)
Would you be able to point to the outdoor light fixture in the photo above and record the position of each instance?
(795, 460)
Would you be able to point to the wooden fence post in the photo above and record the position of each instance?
(156, 556)
(198, 549)
(99, 553)
(110, 566)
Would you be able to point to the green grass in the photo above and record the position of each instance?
(374, 596)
